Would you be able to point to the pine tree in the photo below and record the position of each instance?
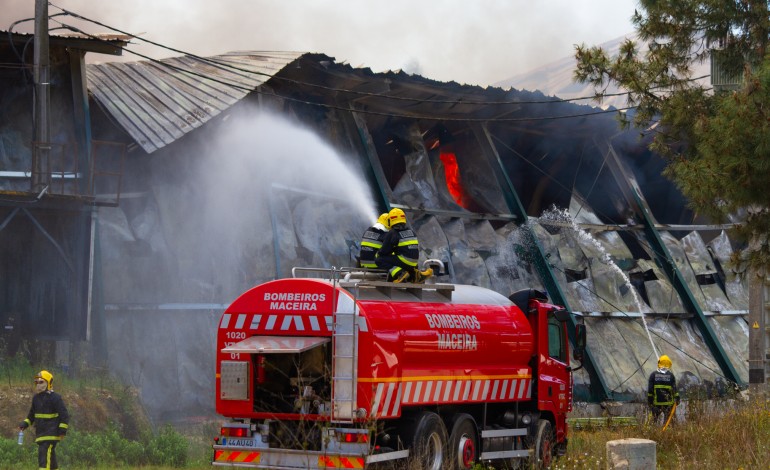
(717, 143)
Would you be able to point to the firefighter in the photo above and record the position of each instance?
(661, 390)
(371, 242)
(50, 417)
(400, 251)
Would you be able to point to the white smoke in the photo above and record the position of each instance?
(452, 40)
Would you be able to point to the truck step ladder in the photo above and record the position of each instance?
(344, 359)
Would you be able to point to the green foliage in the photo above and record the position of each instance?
(15, 456)
(17, 370)
(168, 447)
(108, 449)
(733, 147)
(107, 446)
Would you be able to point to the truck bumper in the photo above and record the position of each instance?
(287, 459)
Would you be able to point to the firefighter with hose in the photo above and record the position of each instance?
(662, 395)
(400, 251)
(371, 242)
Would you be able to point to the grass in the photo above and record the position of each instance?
(714, 435)
(718, 435)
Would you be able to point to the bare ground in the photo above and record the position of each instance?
(90, 409)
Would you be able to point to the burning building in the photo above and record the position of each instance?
(244, 165)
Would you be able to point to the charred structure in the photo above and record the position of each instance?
(47, 188)
(224, 187)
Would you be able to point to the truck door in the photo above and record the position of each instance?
(554, 383)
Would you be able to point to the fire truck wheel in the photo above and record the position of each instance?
(463, 443)
(544, 444)
(428, 444)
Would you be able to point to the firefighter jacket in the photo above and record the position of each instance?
(661, 388)
(401, 242)
(49, 415)
(371, 242)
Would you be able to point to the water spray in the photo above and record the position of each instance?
(561, 217)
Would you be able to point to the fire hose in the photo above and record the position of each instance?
(670, 415)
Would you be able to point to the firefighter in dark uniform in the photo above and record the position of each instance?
(371, 242)
(50, 417)
(400, 251)
(661, 390)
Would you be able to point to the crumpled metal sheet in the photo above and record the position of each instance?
(583, 298)
(679, 256)
(702, 264)
(622, 350)
(661, 294)
(433, 241)
(615, 289)
(508, 270)
(481, 236)
(733, 334)
(469, 267)
(734, 281)
(613, 355)
(609, 241)
(158, 102)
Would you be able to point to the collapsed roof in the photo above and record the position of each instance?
(484, 174)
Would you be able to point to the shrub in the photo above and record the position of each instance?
(168, 447)
(12, 455)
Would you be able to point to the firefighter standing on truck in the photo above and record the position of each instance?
(50, 417)
(661, 390)
(400, 251)
(371, 242)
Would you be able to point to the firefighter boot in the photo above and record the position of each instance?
(421, 276)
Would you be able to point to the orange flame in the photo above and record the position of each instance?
(452, 174)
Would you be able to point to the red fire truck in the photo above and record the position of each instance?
(338, 369)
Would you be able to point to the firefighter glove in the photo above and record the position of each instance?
(23, 425)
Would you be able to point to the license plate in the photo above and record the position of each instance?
(236, 442)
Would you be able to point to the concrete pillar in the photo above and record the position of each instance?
(631, 454)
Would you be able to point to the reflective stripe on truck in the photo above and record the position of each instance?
(236, 456)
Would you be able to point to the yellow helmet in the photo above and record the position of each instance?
(664, 361)
(396, 216)
(47, 376)
(383, 219)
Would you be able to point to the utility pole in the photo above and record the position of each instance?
(759, 288)
(42, 98)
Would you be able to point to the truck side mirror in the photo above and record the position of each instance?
(561, 314)
(580, 342)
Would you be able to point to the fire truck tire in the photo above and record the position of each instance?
(544, 444)
(463, 443)
(428, 443)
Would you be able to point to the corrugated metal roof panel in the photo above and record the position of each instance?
(157, 102)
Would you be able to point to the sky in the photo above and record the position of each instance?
(479, 42)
